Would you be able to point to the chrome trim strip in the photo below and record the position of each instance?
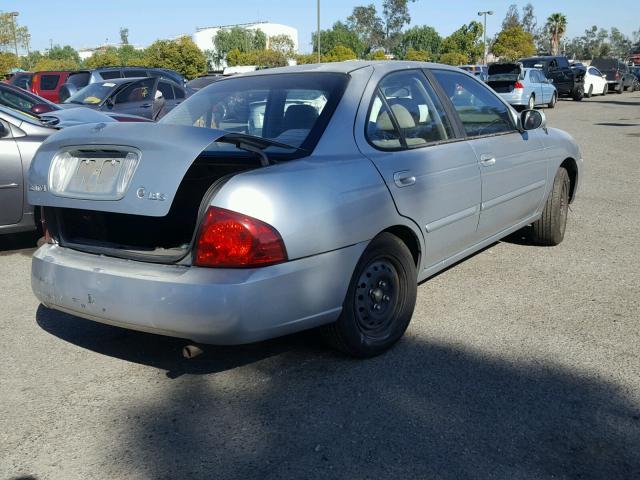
(9, 185)
(449, 219)
(511, 195)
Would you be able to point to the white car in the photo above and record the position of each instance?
(595, 83)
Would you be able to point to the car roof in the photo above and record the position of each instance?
(346, 67)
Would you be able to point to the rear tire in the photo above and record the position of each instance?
(379, 302)
(578, 94)
(619, 90)
(549, 229)
(554, 100)
(590, 92)
(531, 103)
(605, 90)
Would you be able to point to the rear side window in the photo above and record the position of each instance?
(563, 62)
(79, 79)
(480, 110)
(179, 92)
(166, 90)
(49, 81)
(406, 113)
(135, 73)
(110, 74)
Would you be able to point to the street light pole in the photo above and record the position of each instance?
(318, 33)
(13, 27)
(484, 32)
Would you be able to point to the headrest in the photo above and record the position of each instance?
(405, 120)
(300, 116)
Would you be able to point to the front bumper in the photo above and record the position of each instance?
(208, 305)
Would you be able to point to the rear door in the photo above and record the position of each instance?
(168, 101)
(512, 164)
(11, 181)
(431, 172)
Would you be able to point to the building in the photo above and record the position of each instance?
(204, 36)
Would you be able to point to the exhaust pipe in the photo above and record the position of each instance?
(191, 351)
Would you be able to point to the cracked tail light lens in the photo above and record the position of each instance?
(231, 239)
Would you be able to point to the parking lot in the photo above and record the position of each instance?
(520, 362)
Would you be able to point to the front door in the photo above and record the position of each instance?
(11, 181)
(433, 176)
(137, 98)
(512, 166)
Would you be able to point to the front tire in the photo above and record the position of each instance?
(549, 229)
(590, 92)
(379, 302)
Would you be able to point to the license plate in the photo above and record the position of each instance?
(95, 175)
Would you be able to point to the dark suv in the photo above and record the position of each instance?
(568, 82)
(618, 75)
(80, 79)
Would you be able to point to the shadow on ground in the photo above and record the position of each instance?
(24, 243)
(292, 409)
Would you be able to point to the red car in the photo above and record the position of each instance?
(47, 84)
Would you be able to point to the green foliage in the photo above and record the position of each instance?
(417, 55)
(9, 26)
(463, 43)
(513, 43)
(29, 61)
(396, 15)
(422, 38)
(306, 59)
(378, 55)
(556, 26)
(339, 53)
(65, 54)
(261, 58)
(7, 62)
(454, 58)
(367, 25)
(47, 63)
(512, 18)
(283, 44)
(620, 43)
(124, 36)
(339, 35)
(181, 55)
(237, 38)
(103, 58)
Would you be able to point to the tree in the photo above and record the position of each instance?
(620, 43)
(261, 58)
(513, 43)
(237, 38)
(181, 55)
(417, 55)
(8, 61)
(395, 14)
(46, 63)
(529, 20)
(512, 18)
(282, 44)
(378, 55)
(131, 56)
(124, 36)
(339, 35)
(7, 29)
(339, 53)
(368, 26)
(28, 62)
(107, 57)
(66, 54)
(425, 39)
(463, 43)
(556, 27)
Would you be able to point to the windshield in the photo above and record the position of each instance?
(292, 109)
(92, 94)
(21, 116)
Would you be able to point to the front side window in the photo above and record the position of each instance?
(141, 91)
(406, 112)
(292, 109)
(480, 110)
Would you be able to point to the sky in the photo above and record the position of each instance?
(85, 23)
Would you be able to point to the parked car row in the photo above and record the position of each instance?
(541, 80)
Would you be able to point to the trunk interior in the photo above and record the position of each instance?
(502, 86)
(165, 239)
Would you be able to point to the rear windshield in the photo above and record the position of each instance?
(533, 63)
(504, 71)
(289, 108)
(92, 94)
(604, 64)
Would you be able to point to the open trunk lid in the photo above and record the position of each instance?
(132, 168)
(503, 76)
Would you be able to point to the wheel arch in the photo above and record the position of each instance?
(409, 238)
(570, 165)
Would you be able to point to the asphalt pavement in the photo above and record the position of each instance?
(521, 362)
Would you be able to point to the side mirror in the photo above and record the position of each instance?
(532, 120)
(40, 108)
(549, 80)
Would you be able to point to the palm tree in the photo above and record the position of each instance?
(556, 26)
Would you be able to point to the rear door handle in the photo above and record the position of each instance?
(404, 178)
(145, 105)
(486, 160)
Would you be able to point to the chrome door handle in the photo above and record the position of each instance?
(487, 160)
(404, 178)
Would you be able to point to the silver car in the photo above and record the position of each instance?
(522, 87)
(293, 198)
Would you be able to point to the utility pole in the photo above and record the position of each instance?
(484, 32)
(318, 33)
(13, 27)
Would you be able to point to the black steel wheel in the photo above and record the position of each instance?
(380, 299)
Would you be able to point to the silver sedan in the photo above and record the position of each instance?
(522, 87)
(293, 198)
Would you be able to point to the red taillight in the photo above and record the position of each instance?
(617, 75)
(518, 85)
(231, 239)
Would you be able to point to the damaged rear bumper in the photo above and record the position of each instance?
(208, 305)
